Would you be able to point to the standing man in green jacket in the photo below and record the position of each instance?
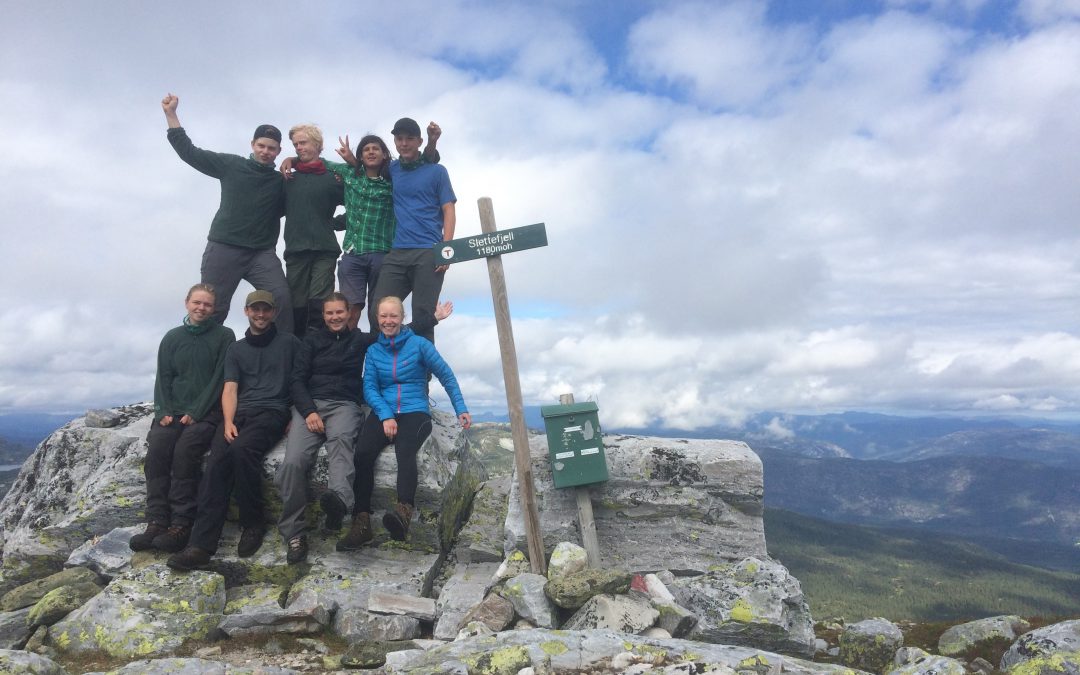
(244, 233)
(311, 246)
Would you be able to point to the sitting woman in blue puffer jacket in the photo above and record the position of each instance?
(396, 388)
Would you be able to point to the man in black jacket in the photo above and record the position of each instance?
(255, 405)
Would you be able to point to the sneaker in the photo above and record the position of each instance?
(397, 521)
(174, 539)
(250, 540)
(191, 558)
(359, 534)
(334, 509)
(297, 550)
(144, 541)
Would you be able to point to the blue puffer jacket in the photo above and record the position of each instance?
(395, 378)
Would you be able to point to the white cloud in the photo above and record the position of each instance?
(875, 213)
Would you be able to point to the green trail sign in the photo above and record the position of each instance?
(492, 243)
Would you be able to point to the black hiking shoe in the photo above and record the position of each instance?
(334, 509)
(191, 558)
(250, 540)
(174, 539)
(144, 541)
(297, 550)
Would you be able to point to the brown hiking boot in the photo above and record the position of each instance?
(174, 539)
(359, 534)
(144, 541)
(397, 521)
(191, 558)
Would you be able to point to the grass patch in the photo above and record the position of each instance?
(859, 572)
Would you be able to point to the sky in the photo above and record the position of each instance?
(798, 206)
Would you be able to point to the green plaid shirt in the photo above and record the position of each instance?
(369, 211)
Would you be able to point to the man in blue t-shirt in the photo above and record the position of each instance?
(424, 208)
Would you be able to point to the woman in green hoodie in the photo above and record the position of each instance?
(187, 414)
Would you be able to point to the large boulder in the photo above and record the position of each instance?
(960, 638)
(684, 505)
(915, 661)
(80, 482)
(1043, 643)
(754, 602)
(870, 644)
(26, 663)
(146, 612)
(84, 482)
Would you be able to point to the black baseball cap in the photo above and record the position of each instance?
(267, 131)
(406, 126)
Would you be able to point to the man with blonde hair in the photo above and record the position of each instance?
(311, 247)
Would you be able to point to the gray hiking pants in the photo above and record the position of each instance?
(224, 266)
(342, 421)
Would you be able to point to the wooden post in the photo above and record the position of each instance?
(518, 430)
(584, 511)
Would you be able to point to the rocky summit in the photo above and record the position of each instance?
(684, 582)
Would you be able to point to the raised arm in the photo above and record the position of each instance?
(169, 104)
(433, 133)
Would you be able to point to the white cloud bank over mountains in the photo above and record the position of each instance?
(747, 209)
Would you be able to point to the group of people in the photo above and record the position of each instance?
(300, 367)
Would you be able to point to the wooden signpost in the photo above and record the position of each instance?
(492, 245)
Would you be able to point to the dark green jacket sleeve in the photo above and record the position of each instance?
(212, 164)
(163, 382)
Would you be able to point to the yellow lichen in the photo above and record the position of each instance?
(742, 611)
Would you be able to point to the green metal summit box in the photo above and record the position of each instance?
(574, 444)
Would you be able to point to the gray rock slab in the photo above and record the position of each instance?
(697, 502)
(958, 639)
(754, 602)
(255, 609)
(103, 419)
(109, 554)
(621, 613)
(676, 620)
(482, 538)
(79, 482)
(30, 593)
(870, 644)
(380, 602)
(14, 629)
(344, 580)
(464, 590)
(59, 602)
(559, 651)
(359, 624)
(526, 593)
(1043, 642)
(16, 662)
(144, 612)
(193, 666)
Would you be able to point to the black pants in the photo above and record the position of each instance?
(236, 469)
(173, 467)
(413, 430)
